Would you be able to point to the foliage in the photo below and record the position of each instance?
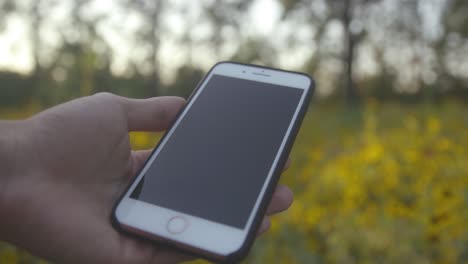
(380, 184)
(16, 89)
(10, 254)
(385, 184)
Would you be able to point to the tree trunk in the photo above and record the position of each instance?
(154, 82)
(37, 76)
(350, 89)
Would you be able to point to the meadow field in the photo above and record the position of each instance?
(382, 183)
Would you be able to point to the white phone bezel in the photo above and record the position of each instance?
(218, 238)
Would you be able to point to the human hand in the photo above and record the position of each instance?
(72, 162)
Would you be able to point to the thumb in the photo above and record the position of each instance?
(153, 114)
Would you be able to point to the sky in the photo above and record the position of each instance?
(14, 50)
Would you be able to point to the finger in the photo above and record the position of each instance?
(281, 200)
(153, 114)
(139, 251)
(287, 165)
(169, 256)
(139, 158)
(266, 224)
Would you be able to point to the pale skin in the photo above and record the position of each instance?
(63, 169)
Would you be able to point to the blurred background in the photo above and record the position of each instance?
(380, 167)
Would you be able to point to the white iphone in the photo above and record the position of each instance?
(206, 186)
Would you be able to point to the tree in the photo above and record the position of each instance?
(455, 34)
(255, 50)
(456, 19)
(187, 78)
(225, 14)
(343, 11)
(7, 7)
(90, 51)
(39, 76)
(151, 13)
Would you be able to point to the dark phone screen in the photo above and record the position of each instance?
(214, 164)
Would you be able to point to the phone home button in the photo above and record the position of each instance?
(176, 225)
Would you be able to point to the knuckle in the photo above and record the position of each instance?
(105, 96)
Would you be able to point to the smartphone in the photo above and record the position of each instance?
(206, 186)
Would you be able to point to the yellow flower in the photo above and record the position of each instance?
(433, 125)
